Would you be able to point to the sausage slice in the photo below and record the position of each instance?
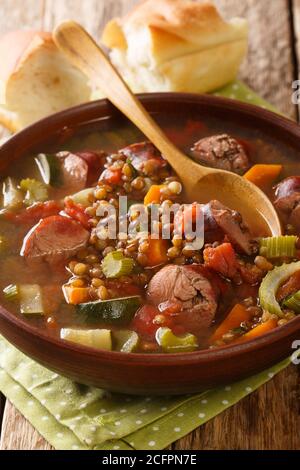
(188, 288)
(221, 151)
(54, 238)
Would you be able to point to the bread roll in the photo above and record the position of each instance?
(176, 45)
(36, 79)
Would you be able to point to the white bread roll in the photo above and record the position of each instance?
(176, 45)
(36, 79)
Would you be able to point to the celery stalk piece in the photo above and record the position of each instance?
(292, 302)
(270, 284)
(35, 191)
(171, 343)
(277, 247)
(115, 265)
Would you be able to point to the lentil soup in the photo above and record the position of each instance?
(134, 293)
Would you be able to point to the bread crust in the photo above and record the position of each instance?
(166, 36)
(36, 79)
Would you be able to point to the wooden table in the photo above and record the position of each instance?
(270, 417)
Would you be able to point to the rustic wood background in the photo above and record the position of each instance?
(270, 417)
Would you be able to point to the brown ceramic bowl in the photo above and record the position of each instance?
(159, 373)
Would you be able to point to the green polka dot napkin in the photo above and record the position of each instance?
(76, 417)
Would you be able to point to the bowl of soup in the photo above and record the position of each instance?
(110, 277)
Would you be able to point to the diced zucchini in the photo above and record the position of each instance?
(292, 302)
(12, 196)
(171, 343)
(277, 247)
(35, 191)
(125, 340)
(11, 293)
(50, 168)
(31, 299)
(115, 265)
(114, 311)
(270, 284)
(100, 339)
(82, 197)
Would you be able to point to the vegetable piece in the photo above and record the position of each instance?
(12, 196)
(35, 191)
(76, 295)
(77, 212)
(100, 339)
(31, 215)
(113, 311)
(153, 194)
(115, 265)
(276, 247)
(157, 251)
(125, 340)
(293, 302)
(271, 283)
(31, 301)
(112, 175)
(221, 259)
(50, 168)
(83, 197)
(11, 293)
(171, 343)
(143, 322)
(263, 175)
(236, 316)
(257, 331)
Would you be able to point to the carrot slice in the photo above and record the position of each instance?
(153, 194)
(258, 331)
(76, 295)
(236, 316)
(263, 175)
(157, 251)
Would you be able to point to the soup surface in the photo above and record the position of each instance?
(98, 246)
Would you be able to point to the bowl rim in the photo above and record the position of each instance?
(161, 359)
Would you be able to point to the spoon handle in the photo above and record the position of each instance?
(84, 53)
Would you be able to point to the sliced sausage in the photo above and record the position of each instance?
(221, 151)
(54, 238)
(187, 287)
(219, 217)
(287, 201)
(143, 152)
(74, 171)
(95, 161)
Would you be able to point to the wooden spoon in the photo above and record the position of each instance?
(200, 183)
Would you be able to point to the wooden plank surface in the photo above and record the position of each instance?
(268, 418)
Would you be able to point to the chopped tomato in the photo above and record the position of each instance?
(143, 322)
(76, 212)
(34, 213)
(221, 259)
(111, 175)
